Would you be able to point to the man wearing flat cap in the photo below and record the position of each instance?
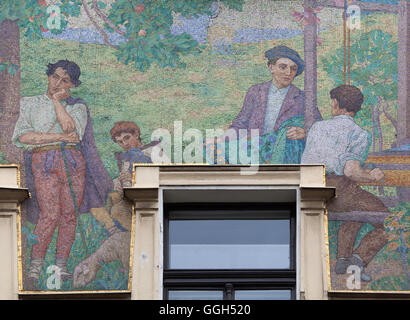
(277, 109)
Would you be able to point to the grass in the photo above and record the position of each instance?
(111, 276)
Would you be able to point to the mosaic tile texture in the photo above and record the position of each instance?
(145, 65)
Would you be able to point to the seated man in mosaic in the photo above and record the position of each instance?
(343, 146)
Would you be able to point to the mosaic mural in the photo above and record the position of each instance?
(90, 87)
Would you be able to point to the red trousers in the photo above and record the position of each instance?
(55, 200)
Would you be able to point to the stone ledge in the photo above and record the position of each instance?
(141, 194)
(13, 194)
(317, 193)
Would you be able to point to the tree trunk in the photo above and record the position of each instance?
(403, 84)
(378, 124)
(310, 57)
(9, 91)
(10, 103)
(373, 128)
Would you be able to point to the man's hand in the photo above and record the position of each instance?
(125, 177)
(65, 120)
(71, 137)
(67, 125)
(61, 94)
(354, 171)
(376, 174)
(295, 133)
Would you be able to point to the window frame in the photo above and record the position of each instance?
(228, 280)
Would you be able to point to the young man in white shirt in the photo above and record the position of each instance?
(343, 146)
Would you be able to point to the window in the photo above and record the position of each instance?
(229, 251)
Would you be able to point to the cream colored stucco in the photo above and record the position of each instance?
(9, 210)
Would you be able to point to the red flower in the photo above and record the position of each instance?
(310, 17)
(140, 8)
(42, 3)
(297, 15)
(142, 33)
(43, 29)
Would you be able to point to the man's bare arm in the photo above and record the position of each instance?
(36, 138)
(354, 171)
(65, 120)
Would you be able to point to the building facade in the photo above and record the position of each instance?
(224, 150)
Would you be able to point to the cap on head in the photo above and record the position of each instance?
(285, 52)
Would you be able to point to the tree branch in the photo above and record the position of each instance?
(388, 115)
(379, 127)
(373, 128)
(105, 18)
(103, 33)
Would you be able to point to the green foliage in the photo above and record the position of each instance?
(3, 158)
(373, 70)
(333, 227)
(166, 51)
(398, 227)
(147, 27)
(32, 15)
(395, 283)
(10, 67)
(111, 276)
(70, 7)
(144, 24)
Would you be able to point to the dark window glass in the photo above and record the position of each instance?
(262, 294)
(229, 244)
(195, 295)
(229, 251)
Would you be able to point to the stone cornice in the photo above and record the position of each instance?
(141, 194)
(13, 194)
(317, 193)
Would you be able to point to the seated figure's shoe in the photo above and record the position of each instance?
(343, 263)
(365, 277)
(356, 260)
